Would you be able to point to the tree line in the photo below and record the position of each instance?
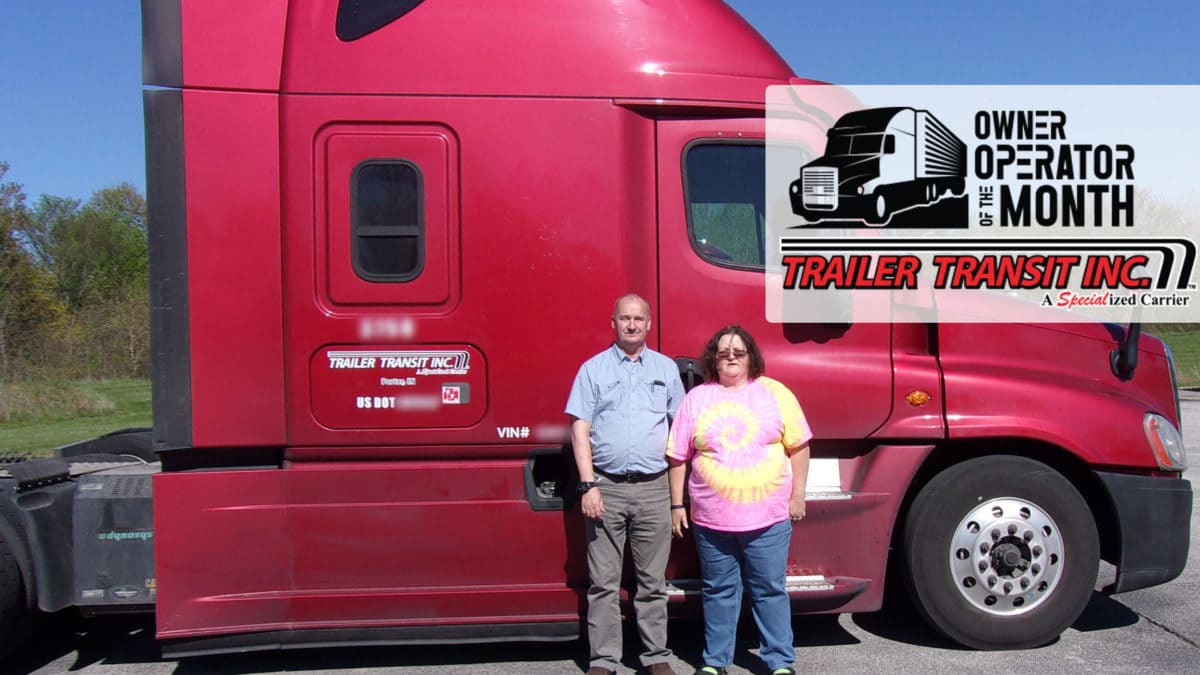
(74, 297)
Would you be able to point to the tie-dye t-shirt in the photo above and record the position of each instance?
(739, 443)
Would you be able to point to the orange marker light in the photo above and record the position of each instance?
(918, 397)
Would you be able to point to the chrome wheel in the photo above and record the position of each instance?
(1006, 556)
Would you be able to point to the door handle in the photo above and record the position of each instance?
(690, 371)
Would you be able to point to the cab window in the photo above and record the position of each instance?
(724, 190)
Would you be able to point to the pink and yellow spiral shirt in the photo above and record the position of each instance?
(739, 443)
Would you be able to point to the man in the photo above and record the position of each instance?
(621, 405)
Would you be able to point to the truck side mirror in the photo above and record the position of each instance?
(889, 144)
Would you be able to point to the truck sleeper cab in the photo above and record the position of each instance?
(372, 286)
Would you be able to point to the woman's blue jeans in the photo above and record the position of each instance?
(760, 558)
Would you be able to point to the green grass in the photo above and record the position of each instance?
(36, 417)
(1184, 341)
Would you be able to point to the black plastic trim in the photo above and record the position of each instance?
(39, 473)
(220, 459)
(554, 466)
(166, 191)
(13, 533)
(1154, 523)
(135, 441)
(45, 516)
(162, 43)
(555, 631)
(691, 371)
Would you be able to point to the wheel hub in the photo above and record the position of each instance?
(1006, 556)
(1010, 557)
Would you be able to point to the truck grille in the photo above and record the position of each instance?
(820, 188)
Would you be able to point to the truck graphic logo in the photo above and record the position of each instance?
(880, 162)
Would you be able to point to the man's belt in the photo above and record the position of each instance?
(629, 477)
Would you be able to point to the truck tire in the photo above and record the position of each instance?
(13, 623)
(877, 213)
(1000, 552)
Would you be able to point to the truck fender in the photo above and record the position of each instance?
(14, 537)
(17, 592)
(133, 442)
(41, 516)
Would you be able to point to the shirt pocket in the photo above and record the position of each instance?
(659, 397)
(608, 395)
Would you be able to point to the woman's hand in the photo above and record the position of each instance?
(679, 522)
(799, 460)
(796, 507)
(676, 476)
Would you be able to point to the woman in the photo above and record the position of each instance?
(747, 442)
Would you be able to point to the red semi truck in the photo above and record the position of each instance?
(385, 234)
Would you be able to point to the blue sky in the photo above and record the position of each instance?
(70, 71)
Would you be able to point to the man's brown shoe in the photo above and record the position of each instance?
(597, 670)
(661, 668)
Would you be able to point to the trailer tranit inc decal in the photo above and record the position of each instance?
(382, 387)
(985, 204)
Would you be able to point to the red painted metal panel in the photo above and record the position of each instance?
(556, 219)
(233, 216)
(433, 151)
(680, 49)
(1053, 383)
(233, 44)
(222, 552)
(426, 541)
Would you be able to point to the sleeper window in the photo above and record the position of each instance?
(387, 213)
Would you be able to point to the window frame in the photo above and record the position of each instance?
(421, 226)
(687, 204)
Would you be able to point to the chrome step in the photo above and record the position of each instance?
(795, 584)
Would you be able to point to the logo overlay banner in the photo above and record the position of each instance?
(982, 204)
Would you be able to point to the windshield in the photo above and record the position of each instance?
(854, 144)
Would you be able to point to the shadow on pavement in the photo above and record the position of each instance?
(65, 642)
(112, 639)
(1103, 613)
(900, 622)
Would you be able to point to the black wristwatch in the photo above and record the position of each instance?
(585, 486)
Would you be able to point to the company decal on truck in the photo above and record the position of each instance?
(398, 387)
(125, 535)
(974, 203)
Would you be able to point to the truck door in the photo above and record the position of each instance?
(711, 251)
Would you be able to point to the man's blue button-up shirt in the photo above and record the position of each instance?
(630, 404)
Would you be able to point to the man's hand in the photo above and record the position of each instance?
(592, 504)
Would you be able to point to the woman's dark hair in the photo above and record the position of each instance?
(709, 358)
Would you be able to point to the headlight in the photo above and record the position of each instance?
(1166, 442)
